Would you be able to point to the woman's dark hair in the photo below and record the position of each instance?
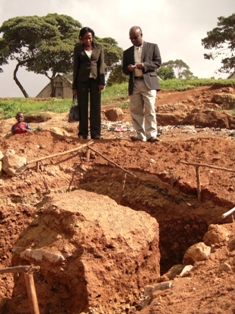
(86, 30)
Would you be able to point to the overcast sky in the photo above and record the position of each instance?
(177, 26)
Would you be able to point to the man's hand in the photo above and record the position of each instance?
(131, 67)
(74, 92)
(139, 66)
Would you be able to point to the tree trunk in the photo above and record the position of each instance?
(16, 79)
(18, 82)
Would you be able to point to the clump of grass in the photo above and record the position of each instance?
(125, 105)
(181, 85)
(115, 92)
(9, 107)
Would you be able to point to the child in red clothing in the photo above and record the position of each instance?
(21, 126)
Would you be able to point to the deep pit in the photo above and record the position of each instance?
(183, 220)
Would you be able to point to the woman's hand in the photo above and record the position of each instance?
(131, 67)
(100, 88)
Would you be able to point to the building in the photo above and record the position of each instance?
(63, 87)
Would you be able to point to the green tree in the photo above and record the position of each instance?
(166, 73)
(56, 56)
(117, 76)
(221, 40)
(112, 52)
(112, 57)
(45, 46)
(180, 68)
(42, 44)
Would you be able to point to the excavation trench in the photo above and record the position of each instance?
(183, 220)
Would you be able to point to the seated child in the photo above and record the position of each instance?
(21, 126)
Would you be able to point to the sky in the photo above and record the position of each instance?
(177, 26)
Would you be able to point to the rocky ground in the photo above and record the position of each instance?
(160, 179)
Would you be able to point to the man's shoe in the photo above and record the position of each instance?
(153, 139)
(135, 139)
(82, 137)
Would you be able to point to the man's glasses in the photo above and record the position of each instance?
(134, 37)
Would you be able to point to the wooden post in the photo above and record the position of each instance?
(60, 154)
(37, 166)
(33, 302)
(88, 154)
(19, 269)
(122, 188)
(112, 162)
(198, 184)
(205, 165)
(197, 165)
(228, 213)
(28, 276)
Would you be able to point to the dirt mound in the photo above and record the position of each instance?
(84, 245)
(207, 288)
(160, 178)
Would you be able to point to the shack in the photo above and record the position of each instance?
(63, 87)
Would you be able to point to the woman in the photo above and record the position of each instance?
(88, 80)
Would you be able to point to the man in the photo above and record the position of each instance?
(140, 62)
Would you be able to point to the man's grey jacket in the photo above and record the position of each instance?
(152, 60)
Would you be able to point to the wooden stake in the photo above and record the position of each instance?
(88, 154)
(33, 302)
(20, 269)
(37, 166)
(198, 184)
(205, 165)
(112, 162)
(60, 154)
(122, 188)
(29, 281)
(228, 213)
(197, 165)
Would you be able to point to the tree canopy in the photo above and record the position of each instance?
(45, 45)
(112, 52)
(174, 69)
(56, 55)
(166, 73)
(117, 76)
(113, 55)
(221, 40)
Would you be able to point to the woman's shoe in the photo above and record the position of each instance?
(96, 137)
